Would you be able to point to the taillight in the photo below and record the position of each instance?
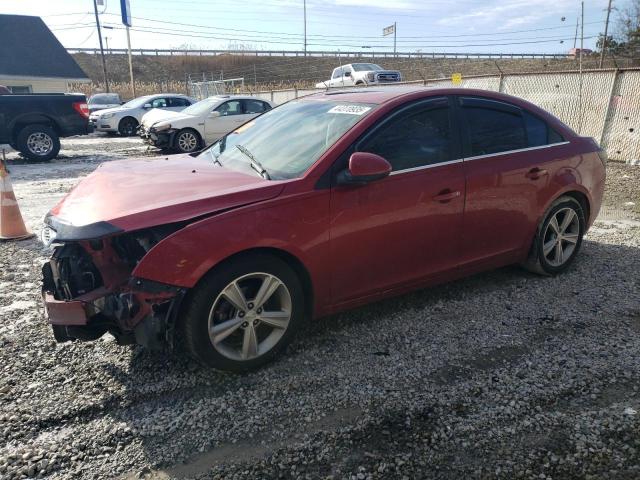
(82, 108)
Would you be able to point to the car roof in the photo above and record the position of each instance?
(233, 97)
(381, 95)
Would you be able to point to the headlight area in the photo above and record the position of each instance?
(89, 291)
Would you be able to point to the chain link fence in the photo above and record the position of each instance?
(603, 104)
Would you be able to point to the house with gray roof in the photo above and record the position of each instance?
(32, 60)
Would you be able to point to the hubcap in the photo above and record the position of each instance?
(249, 316)
(561, 237)
(40, 143)
(187, 141)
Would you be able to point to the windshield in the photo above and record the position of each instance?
(365, 67)
(104, 99)
(137, 102)
(287, 140)
(201, 107)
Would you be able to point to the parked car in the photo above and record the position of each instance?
(360, 74)
(101, 101)
(322, 204)
(33, 123)
(125, 118)
(202, 123)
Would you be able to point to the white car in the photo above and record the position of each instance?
(126, 118)
(202, 123)
(360, 74)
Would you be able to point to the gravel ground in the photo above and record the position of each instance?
(501, 375)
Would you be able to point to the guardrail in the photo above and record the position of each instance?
(300, 53)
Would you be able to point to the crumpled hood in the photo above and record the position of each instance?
(158, 115)
(139, 193)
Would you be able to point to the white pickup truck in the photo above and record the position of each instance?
(360, 74)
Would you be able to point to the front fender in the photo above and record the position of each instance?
(298, 225)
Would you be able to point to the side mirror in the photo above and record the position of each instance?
(147, 106)
(347, 74)
(363, 168)
(214, 114)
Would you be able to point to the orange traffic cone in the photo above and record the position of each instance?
(11, 223)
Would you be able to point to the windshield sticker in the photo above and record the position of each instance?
(350, 109)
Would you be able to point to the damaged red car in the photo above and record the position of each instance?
(319, 205)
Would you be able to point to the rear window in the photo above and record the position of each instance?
(494, 126)
(539, 132)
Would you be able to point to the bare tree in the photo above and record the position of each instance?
(627, 28)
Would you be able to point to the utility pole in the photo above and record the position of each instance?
(104, 63)
(305, 27)
(603, 47)
(133, 85)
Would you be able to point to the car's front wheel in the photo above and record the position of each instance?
(558, 237)
(187, 141)
(243, 313)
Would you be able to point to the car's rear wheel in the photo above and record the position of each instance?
(187, 141)
(244, 313)
(38, 142)
(127, 126)
(558, 237)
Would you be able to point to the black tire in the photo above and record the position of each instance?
(544, 264)
(127, 127)
(199, 303)
(187, 140)
(39, 143)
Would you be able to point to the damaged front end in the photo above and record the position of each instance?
(89, 290)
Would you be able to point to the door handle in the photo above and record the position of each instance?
(535, 173)
(446, 195)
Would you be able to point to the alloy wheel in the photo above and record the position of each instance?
(187, 141)
(39, 143)
(250, 316)
(561, 237)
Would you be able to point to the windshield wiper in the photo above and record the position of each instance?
(255, 164)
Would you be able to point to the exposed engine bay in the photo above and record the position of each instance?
(91, 291)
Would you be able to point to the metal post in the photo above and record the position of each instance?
(581, 48)
(604, 39)
(394, 38)
(305, 27)
(610, 98)
(104, 63)
(133, 85)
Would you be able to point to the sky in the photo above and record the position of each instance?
(463, 26)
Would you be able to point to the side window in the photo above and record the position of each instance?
(159, 103)
(414, 138)
(266, 106)
(253, 106)
(337, 73)
(538, 132)
(493, 126)
(178, 102)
(232, 107)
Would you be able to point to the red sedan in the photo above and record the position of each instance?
(320, 205)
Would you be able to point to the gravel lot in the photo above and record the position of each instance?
(501, 375)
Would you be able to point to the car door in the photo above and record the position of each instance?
(254, 107)
(161, 103)
(347, 76)
(507, 166)
(231, 115)
(407, 226)
(336, 77)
